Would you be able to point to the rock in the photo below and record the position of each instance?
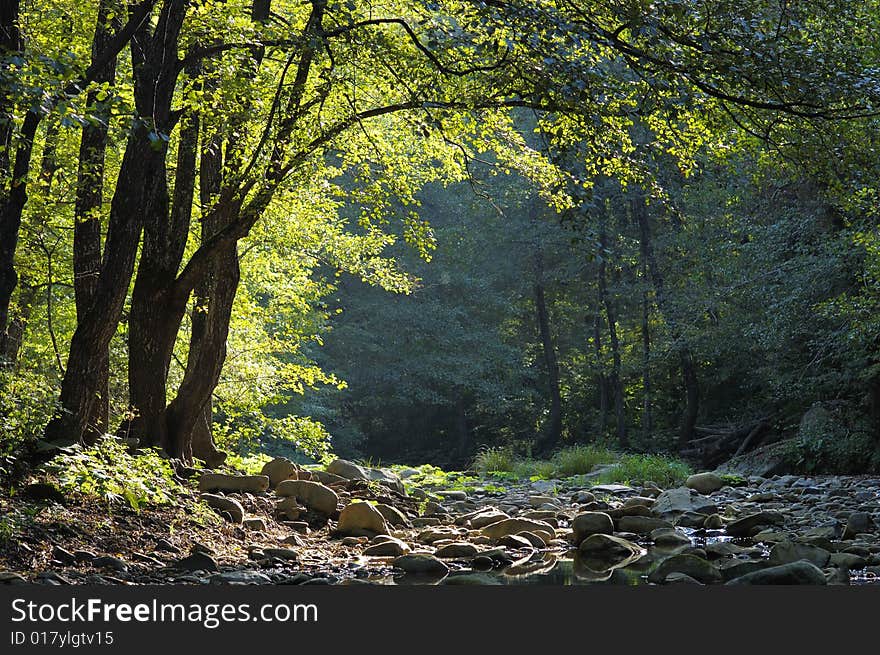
(43, 491)
(670, 539)
(481, 579)
(386, 478)
(614, 489)
(786, 552)
(348, 470)
(313, 495)
(11, 577)
(848, 561)
(287, 554)
(748, 525)
(255, 523)
(583, 497)
(676, 578)
(110, 562)
(641, 524)
(279, 470)
(392, 515)
(240, 578)
(589, 523)
(197, 562)
(228, 507)
(713, 522)
(389, 548)
(452, 495)
(514, 541)
(858, 523)
(795, 573)
(457, 550)
(695, 567)
(360, 519)
(323, 477)
(164, 544)
(763, 461)
(515, 526)
(535, 539)
(681, 500)
(609, 547)
(421, 564)
(63, 556)
(487, 518)
(254, 484)
(288, 508)
(545, 486)
(704, 483)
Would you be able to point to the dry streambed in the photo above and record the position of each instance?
(349, 524)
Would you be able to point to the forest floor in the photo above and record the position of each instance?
(422, 525)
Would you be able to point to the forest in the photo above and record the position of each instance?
(537, 277)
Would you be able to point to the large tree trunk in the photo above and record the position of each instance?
(553, 428)
(601, 378)
(611, 316)
(87, 221)
(690, 380)
(141, 181)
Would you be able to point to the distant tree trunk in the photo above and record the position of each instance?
(15, 331)
(601, 378)
(553, 428)
(647, 413)
(611, 316)
(87, 217)
(690, 381)
(464, 447)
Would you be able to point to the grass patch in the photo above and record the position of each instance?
(665, 471)
(568, 462)
(579, 460)
(500, 459)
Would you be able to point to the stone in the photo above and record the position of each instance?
(514, 542)
(110, 562)
(735, 568)
(43, 491)
(313, 495)
(11, 577)
(589, 523)
(695, 567)
(681, 500)
(641, 524)
(607, 546)
(749, 525)
(392, 515)
(288, 508)
(858, 523)
(676, 578)
(535, 539)
(360, 519)
(583, 497)
(279, 470)
(348, 470)
(794, 573)
(228, 507)
(389, 548)
(196, 562)
(515, 526)
(786, 552)
(848, 561)
(670, 539)
(386, 478)
(281, 553)
(63, 556)
(452, 495)
(487, 518)
(481, 579)
(240, 578)
(704, 483)
(614, 489)
(254, 484)
(324, 478)
(713, 522)
(457, 550)
(255, 523)
(421, 565)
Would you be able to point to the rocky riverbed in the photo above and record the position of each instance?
(353, 525)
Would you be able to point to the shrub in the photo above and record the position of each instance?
(498, 458)
(579, 460)
(665, 471)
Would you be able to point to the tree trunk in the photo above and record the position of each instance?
(87, 221)
(611, 316)
(601, 378)
(553, 428)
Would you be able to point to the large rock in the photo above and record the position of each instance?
(421, 564)
(392, 515)
(641, 524)
(361, 519)
(457, 550)
(391, 547)
(348, 470)
(386, 478)
(279, 470)
(254, 484)
(786, 552)
(225, 506)
(858, 523)
(681, 500)
(590, 523)
(751, 524)
(795, 573)
(609, 548)
(763, 461)
(691, 565)
(313, 495)
(515, 526)
(487, 518)
(288, 508)
(704, 483)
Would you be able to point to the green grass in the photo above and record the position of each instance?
(579, 460)
(501, 459)
(665, 471)
(568, 462)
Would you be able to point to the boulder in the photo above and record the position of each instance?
(609, 547)
(786, 552)
(641, 524)
(858, 523)
(457, 550)
(288, 508)
(240, 578)
(254, 484)
(751, 524)
(225, 506)
(589, 523)
(255, 523)
(704, 483)
(514, 526)
(390, 548)
(313, 495)
(279, 470)
(392, 515)
(487, 518)
(386, 478)
(695, 567)
(361, 519)
(421, 564)
(794, 573)
(348, 470)
(681, 500)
